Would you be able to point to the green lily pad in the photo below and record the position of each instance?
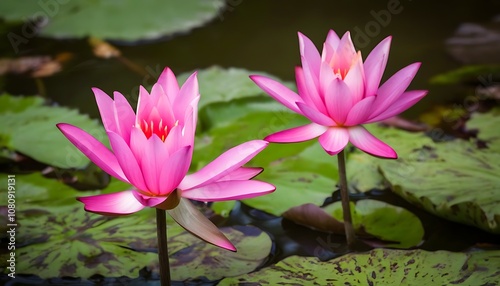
(125, 20)
(191, 257)
(36, 190)
(363, 170)
(252, 126)
(381, 267)
(292, 189)
(312, 159)
(397, 226)
(299, 178)
(453, 179)
(29, 127)
(301, 172)
(219, 84)
(73, 242)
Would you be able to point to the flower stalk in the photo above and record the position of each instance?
(344, 195)
(161, 232)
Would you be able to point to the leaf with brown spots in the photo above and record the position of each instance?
(381, 267)
(67, 241)
(191, 257)
(452, 179)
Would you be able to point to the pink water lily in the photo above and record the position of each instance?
(152, 150)
(339, 92)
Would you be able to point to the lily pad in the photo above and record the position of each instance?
(36, 190)
(363, 170)
(398, 227)
(126, 20)
(254, 125)
(29, 127)
(81, 244)
(191, 257)
(381, 267)
(301, 172)
(292, 189)
(73, 242)
(219, 84)
(453, 179)
(312, 159)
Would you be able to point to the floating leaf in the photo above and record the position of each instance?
(36, 190)
(255, 125)
(312, 159)
(301, 172)
(381, 267)
(292, 189)
(453, 179)
(219, 84)
(81, 244)
(127, 20)
(220, 114)
(191, 257)
(398, 227)
(73, 242)
(29, 127)
(362, 169)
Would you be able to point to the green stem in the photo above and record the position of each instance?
(344, 194)
(161, 231)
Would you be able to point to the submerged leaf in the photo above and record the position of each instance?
(381, 267)
(314, 217)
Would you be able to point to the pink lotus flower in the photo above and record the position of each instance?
(339, 92)
(152, 150)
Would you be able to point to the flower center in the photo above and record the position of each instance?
(341, 72)
(150, 128)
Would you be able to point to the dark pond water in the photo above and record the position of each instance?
(261, 35)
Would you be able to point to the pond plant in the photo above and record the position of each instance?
(152, 150)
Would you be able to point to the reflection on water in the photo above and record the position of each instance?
(261, 35)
